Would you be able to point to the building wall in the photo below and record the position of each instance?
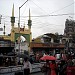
(69, 27)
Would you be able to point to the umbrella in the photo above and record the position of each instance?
(47, 57)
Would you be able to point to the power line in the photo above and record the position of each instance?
(40, 8)
(62, 8)
(46, 25)
(44, 15)
(56, 10)
(50, 15)
(24, 9)
(34, 22)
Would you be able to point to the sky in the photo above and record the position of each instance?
(48, 16)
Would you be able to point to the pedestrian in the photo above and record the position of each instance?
(48, 70)
(45, 68)
(63, 67)
(27, 66)
(53, 67)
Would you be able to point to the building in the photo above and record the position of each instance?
(48, 43)
(69, 28)
(69, 35)
(69, 31)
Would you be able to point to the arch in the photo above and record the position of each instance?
(21, 39)
(26, 36)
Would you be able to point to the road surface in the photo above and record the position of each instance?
(38, 73)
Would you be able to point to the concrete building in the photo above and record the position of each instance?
(69, 35)
(69, 28)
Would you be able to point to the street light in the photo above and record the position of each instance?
(19, 21)
(19, 13)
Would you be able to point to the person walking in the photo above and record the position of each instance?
(63, 67)
(53, 67)
(45, 68)
(48, 70)
(27, 66)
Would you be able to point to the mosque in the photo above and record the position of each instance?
(17, 33)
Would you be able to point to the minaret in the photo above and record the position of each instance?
(29, 26)
(29, 21)
(12, 18)
(12, 24)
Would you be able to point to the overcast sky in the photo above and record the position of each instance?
(48, 16)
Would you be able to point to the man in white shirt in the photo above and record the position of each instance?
(27, 67)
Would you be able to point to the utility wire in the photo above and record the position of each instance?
(50, 13)
(53, 12)
(44, 15)
(24, 9)
(40, 8)
(62, 8)
(56, 10)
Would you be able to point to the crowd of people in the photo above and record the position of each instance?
(53, 67)
(61, 67)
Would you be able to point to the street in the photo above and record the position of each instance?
(38, 73)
